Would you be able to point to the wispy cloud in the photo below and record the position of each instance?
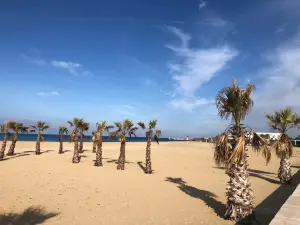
(215, 20)
(202, 4)
(194, 68)
(73, 68)
(47, 93)
(124, 110)
(39, 62)
(281, 28)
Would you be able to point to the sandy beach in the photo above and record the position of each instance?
(186, 187)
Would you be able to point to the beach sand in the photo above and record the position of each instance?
(186, 187)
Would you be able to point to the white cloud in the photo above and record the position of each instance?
(73, 68)
(202, 4)
(215, 21)
(195, 67)
(281, 28)
(124, 110)
(47, 93)
(39, 62)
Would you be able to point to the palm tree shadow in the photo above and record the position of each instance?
(298, 167)
(264, 178)
(46, 151)
(16, 156)
(141, 166)
(206, 196)
(116, 161)
(269, 207)
(31, 215)
(67, 151)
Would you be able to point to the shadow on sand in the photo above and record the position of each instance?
(116, 161)
(268, 208)
(259, 174)
(42, 152)
(15, 156)
(30, 216)
(141, 166)
(206, 196)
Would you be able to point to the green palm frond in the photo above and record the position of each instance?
(107, 128)
(152, 124)
(63, 130)
(282, 120)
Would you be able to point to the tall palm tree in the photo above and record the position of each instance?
(39, 127)
(17, 128)
(230, 149)
(94, 141)
(84, 127)
(149, 135)
(124, 129)
(4, 128)
(62, 131)
(76, 123)
(100, 128)
(282, 121)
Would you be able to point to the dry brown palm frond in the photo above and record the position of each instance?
(142, 125)
(222, 150)
(113, 134)
(283, 146)
(239, 150)
(260, 145)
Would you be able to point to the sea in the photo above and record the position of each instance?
(54, 138)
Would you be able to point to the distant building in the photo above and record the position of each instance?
(269, 136)
(187, 138)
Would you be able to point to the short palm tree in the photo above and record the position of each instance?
(230, 149)
(39, 127)
(76, 123)
(149, 135)
(16, 128)
(98, 139)
(282, 121)
(84, 127)
(124, 129)
(62, 131)
(4, 128)
(94, 141)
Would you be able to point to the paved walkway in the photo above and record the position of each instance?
(289, 213)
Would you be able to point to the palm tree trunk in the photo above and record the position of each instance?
(148, 156)
(3, 147)
(98, 161)
(94, 146)
(121, 161)
(81, 142)
(284, 171)
(11, 150)
(76, 157)
(61, 148)
(38, 144)
(239, 193)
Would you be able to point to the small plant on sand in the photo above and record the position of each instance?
(230, 150)
(61, 131)
(39, 127)
(4, 128)
(82, 128)
(75, 123)
(98, 139)
(282, 121)
(16, 128)
(150, 131)
(124, 129)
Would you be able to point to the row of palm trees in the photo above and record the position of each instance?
(235, 103)
(123, 130)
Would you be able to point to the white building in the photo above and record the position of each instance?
(273, 136)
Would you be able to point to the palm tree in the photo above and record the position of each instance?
(98, 139)
(94, 141)
(76, 123)
(282, 121)
(61, 131)
(230, 149)
(4, 128)
(39, 127)
(84, 127)
(17, 128)
(149, 135)
(124, 129)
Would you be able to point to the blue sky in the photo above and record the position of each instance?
(138, 59)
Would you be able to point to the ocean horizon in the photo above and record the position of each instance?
(88, 138)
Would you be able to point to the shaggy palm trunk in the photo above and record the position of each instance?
(148, 156)
(38, 144)
(121, 161)
(11, 150)
(94, 146)
(284, 171)
(81, 142)
(98, 161)
(238, 192)
(61, 148)
(76, 157)
(3, 147)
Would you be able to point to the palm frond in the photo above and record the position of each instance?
(107, 128)
(283, 146)
(239, 150)
(260, 145)
(222, 149)
(142, 125)
(113, 135)
(152, 124)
